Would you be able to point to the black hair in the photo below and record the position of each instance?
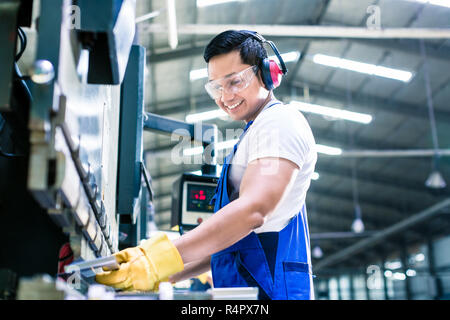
(251, 50)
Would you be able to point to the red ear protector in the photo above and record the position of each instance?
(270, 71)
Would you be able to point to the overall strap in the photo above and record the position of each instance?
(217, 199)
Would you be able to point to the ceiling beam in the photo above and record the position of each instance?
(182, 52)
(321, 136)
(397, 228)
(396, 210)
(170, 107)
(439, 52)
(179, 53)
(409, 46)
(316, 91)
(305, 31)
(177, 171)
(316, 21)
(329, 247)
(370, 101)
(324, 220)
(403, 183)
(327, 221)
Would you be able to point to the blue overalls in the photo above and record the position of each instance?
(275, 262)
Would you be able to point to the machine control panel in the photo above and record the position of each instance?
(191, 200)
(196, 198)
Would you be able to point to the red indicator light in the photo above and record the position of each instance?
(199, 195)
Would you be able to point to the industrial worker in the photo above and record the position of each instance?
(258, 235)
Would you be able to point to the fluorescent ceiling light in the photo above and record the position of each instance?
(435, 181)
(419, 257)
(198, 74)
(172, 23)
(315, 175)
(320, 148)
(358, 225)
(192, 151)
(288, 56)
(302, 106)
(228, 144)
(317, 252)
(207, 115)
(333, 112)
(147, 16)
(442, 3)
(411, 273)
(399, 276)
(219, 146)
(361, 67)
(206, 3)
(393, 265)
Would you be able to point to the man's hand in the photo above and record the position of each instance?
(144, 267)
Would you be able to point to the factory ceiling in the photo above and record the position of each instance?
(383, 165)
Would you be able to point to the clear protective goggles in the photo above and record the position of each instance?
(233, 83)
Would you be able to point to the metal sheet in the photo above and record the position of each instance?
(109, 262)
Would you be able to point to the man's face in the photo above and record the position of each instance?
(242, 105)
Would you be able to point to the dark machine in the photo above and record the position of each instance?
(69, 114)
(73, 182)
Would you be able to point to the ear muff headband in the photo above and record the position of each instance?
(270, 71)
(275, 50)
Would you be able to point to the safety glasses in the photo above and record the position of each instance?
(233, 83)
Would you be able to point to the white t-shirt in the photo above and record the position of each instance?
(279, 131)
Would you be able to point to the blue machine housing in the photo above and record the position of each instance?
(130, 160)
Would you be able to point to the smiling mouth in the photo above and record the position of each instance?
(234, 105)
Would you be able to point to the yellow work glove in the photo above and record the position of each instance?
(204, 277)
(145, 266)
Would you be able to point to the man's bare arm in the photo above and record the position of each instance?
(264, 183)
(192, 269)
